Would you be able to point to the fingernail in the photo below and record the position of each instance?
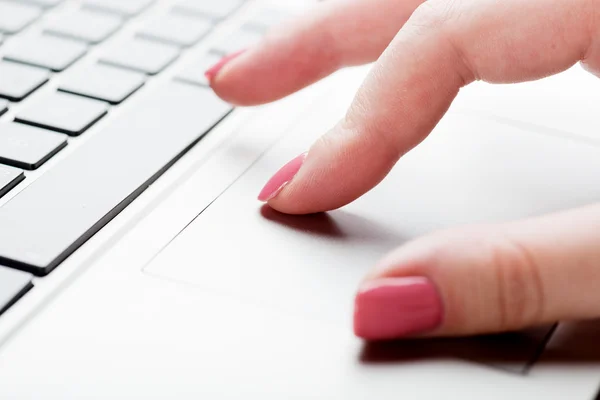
(281, 178)
(392, 308)
(212, 72)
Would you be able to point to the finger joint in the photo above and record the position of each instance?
(520, 293)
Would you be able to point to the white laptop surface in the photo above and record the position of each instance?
(196, 290)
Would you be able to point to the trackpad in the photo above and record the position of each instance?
(470, 170)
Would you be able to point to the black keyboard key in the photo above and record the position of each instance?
(14, 17)
(13, 285)
(46, 51)
(9, 178)
(63, 112)
(91, 186)
(85, 25)
(18, 81)
(27, 147)
(103, 82)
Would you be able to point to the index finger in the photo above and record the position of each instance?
(445, 45)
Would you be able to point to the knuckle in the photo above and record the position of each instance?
(443, 18)
(434, 13)
(519, 291)
(366, 131)
(332, 139)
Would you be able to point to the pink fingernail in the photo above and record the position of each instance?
(281, 178)
(392, 308)
(212, 72)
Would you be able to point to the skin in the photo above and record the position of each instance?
(491, 278)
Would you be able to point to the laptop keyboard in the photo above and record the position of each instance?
(64, 206)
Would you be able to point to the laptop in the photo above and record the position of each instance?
(136, 262)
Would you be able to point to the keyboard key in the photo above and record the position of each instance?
(46, 52)
(65, 113)
(216, 10)
(141, 55)
(194, 73)
(85, 25)
(3, 106)
(103, 82)
(28, 147)
(18, 81)
(43, 3)
(9, 178)
(266, 18)
(178, 30)
(238, 40)
(91, 186)
(14, 17)
(125, 8)
(13, 285)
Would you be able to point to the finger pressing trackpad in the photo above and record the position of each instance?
(470, 170)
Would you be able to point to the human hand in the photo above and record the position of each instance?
(465, 280)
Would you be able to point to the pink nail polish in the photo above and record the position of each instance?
(392, 308)
(212, 72)
(281, 178)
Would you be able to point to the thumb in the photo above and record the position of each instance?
(486, 279)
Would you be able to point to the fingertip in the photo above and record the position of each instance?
(231, 78)
(282, 178)
(244, 79)
(213, 72)
(392, 308)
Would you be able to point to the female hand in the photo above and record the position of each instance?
(521, 273)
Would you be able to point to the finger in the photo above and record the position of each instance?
(444, 46)
(486, 279)
(336, 34)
